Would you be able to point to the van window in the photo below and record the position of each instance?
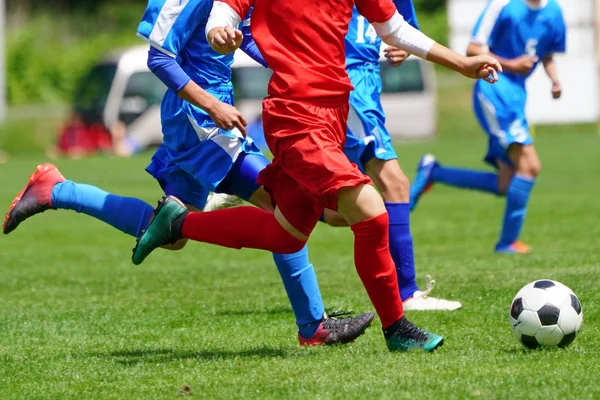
(407, 78)
(250, 83)
(92, 92)
(143, 90)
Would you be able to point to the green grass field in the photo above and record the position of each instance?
(78, 320)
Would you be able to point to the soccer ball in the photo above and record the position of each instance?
(545, 313)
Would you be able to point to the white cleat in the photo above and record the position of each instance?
(422, 302)
(218, 201)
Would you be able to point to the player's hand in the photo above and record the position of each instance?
(395, 56)
(225, 40)
(556, 90)
(481, 67)
(523, 64)
(227, 117)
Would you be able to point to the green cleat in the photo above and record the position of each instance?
(160, 230)
(405, 336)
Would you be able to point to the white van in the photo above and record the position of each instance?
(120, 88)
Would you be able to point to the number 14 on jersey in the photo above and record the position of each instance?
(365, 30)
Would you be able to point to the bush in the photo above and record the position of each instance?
(47, 57)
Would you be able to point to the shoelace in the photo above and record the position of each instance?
(338, 313)
(333, 323)
(430, 284)
(415, 333)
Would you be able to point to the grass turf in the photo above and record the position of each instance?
(78, 320)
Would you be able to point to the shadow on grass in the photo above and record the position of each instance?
(139, 356)
(261, 311)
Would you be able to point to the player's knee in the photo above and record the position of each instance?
(530, 168)
(389, 178)
(359, 203)
(395, 186)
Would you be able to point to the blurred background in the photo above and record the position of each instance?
(76, 83)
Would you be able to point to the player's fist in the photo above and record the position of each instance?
(394, 56)
(227, 117)
(225, 40)
(523, 65)
(481, 67)
(556, 90)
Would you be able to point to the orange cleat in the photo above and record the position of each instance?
(35, 198)
(515, 248)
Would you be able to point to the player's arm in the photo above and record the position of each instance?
(174, 77)
(221, 32)
(488, 29)
(162, 59)
(248, 45)
(395, 56)
(396, 32)
(550, 67)
(519, 65)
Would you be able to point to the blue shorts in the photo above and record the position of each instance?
(367, 136)
(196, 156)
(501, 113)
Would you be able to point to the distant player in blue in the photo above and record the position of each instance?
(201, 153)
(520, 34)
(369, 145)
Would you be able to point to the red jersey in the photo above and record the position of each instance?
(303, 43)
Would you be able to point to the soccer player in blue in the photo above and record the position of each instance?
(369, 145)
(520, 34)
(200, 154)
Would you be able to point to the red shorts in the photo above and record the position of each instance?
(309, 166)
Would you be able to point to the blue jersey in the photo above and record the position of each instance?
(512, 28)
(176, 27)
(362, 42)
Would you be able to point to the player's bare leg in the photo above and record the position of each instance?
(394, 186)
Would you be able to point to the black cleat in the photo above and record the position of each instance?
(339, 331)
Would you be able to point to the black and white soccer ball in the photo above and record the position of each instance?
(545, 313)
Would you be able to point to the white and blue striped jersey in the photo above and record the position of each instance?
(513, 28)
(176, 28)
(362, 42)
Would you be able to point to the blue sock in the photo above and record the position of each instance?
(127, 214)
(517, 197)
(466, 179)
(301, 285)
(401, 247)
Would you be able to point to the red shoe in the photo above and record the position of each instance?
(35, 198)
(338, 331)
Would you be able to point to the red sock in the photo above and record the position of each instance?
(240, 227)
(376, 268)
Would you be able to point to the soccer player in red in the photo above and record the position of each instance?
(305, 125)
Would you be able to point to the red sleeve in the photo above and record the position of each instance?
(374, 10)
(241, 7)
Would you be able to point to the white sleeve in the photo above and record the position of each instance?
(222, 15)
(398, 33)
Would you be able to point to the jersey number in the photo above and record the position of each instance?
(531, 47)
(361, 32)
